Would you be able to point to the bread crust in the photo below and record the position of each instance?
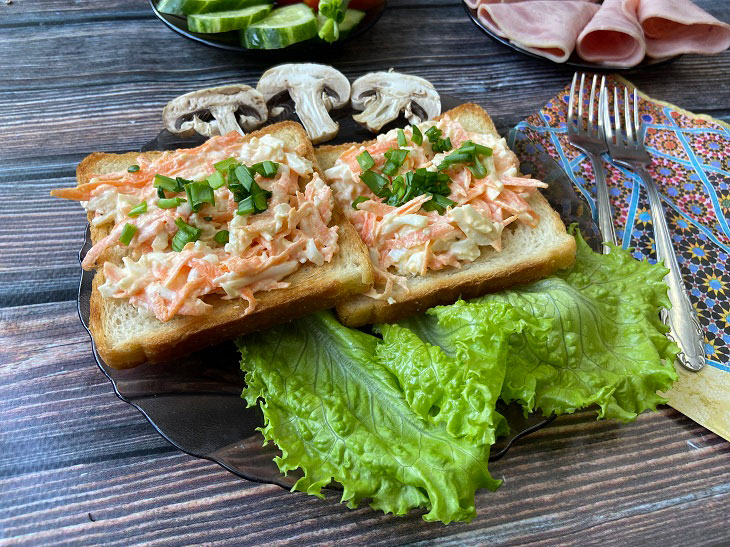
(311, 287)
(472, 279)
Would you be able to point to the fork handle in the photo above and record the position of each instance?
(684, 327)
(605, 217)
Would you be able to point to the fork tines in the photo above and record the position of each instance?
(576, 125)
(629, 135)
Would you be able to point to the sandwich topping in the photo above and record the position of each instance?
(226, 218)
(430, 196)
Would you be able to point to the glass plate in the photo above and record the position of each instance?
(195, 402)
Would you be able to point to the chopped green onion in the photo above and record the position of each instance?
(390, 168)
(223, 165)
(455, 157)
(358, 200)
(266, 169)
(442, 145)
(167, 183)
(417, 136)
(412, 189)
(437, 143)
(270, 169)
(246, 206)
(216, 180)
(221, 237)
(376, 182)
(483, 150)
(259, 201)
(365, 160)
(133, 168)
(438, 203)
(170, 203)
(398, 189)
(478, 169)
(138, 210)
(260, 196)
(235, 186)
(433, 134)
(244, 176)
(395, 157)
(127, 233)
(161, 192)
(402, 138)
(186, 234)
(199, 193)
(468, 153)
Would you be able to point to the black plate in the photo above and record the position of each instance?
(195, 402)
(573, 60)
(231, 41)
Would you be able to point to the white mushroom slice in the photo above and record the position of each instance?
(382, 96)
(215, 111)
(315, 90)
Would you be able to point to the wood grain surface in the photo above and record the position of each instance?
(79, 466)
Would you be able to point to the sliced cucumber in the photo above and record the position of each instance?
(186, 7)
(351, 20)
(173, 7)
(223, 21)
(280, 28)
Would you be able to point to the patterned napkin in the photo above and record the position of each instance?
(691, 166)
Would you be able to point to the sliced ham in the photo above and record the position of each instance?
(614, 36)
(473, 4)
(544, 27)
(673, 27)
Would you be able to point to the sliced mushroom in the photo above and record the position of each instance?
(382, 96)
(215, 111)
(315, 90)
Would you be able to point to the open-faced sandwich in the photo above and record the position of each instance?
(197, 246)
(444, 213)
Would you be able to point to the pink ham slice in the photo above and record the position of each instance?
(473, 4)
(544, 27)
(614, 36)
(673, 27)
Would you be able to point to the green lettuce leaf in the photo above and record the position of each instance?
(463, 390)
(335, 411)
(589, 335)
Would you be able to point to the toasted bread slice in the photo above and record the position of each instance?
(527, 253)
(126, 336)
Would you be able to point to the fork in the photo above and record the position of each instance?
(628, 151)
(591, 141)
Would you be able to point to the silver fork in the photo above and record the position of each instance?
(628, 150)
(590, 139)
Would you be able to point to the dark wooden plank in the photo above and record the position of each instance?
(71, 448)
(40, 239)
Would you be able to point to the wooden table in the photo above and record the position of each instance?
(78, 465)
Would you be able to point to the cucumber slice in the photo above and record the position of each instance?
(280, 28)
(223, 21)
(173, 7)
(186, 7)
(351, 20)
